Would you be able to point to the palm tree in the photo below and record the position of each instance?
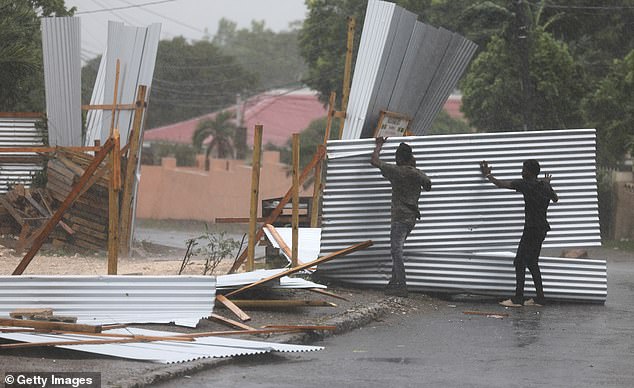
(221, 129)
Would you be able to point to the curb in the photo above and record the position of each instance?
(344, 322)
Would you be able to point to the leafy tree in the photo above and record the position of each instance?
(88, 77)
(610, 109)
(445, 125)
(191, 79)
(221, 129)
(274, 57)
(492, 90)
(21, 68)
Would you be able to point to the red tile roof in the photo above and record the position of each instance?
(281, 113)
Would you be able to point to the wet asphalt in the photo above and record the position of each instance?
(438, 345)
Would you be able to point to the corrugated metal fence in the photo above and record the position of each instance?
(20, 167)
(463, 213)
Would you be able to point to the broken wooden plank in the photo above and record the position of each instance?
(12, 211)
(232, 306)
(25, 313)
(281, 303)
(323, 292)
(230, 322)
(50, 325)
(323, 259)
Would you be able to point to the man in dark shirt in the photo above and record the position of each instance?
(537, 196)
(407, 182)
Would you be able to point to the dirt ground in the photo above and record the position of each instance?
(148, 259)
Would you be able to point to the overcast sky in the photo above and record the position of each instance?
(188, 18)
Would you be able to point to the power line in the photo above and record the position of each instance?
(169, 18)
(124, 7)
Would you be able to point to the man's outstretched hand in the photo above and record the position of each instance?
(485, 168)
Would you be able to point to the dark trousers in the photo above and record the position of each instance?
(528, 257)
(398, 234)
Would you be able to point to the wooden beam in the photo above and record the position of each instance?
(321, 151)
(280, 241)
(255, 190)
(129, 181)
(295, 189)
(47, 325)
(230, 322)
(240, 220)
(113, 204)
(347, 71)
(320, 291)
(11, 210)
(244, 317)
(47, 149)
(323, 259)
(70, 199)
(29, 115)
(109, 107)
(281, 303)
(317, 186)
(114, 101)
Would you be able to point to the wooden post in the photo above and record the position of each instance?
(255, 190)
(346, 72)
(72, 196)
(314, 210)
(113, 204)
(134, 144)
(321, 151)
(295, 216)
(114, 102)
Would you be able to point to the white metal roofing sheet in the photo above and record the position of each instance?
(110, 299)
(61, 47)
(463, 212)
(165, 352)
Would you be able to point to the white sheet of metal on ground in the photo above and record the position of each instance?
(165, 352)
(402, 66)
(237, 280)
(463, 213)
(111, 299)
(308, 246)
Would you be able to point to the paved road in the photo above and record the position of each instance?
(560, 345)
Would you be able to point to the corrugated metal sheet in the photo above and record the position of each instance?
(167, 352)
(61, 47)
(463, 212)
(113, 299)
(19, 167)
(309, 242)
(136, 49)
(402, 66)
(237, 280)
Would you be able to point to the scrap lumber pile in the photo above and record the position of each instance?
(88, 217)
(23, 211)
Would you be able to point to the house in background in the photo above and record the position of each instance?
(168, 191)
(280, 112)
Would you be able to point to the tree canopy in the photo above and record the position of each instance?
(21, 67)
(274, 57)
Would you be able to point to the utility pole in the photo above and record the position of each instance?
(522, 34)
(240, 138)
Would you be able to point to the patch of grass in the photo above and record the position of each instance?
(623, 245)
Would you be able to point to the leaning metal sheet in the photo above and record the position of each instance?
(61, 47)
(463, 212)
(111, 299)
(165, 352)
(402, 66)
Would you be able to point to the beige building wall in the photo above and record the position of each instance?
(190, 193)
